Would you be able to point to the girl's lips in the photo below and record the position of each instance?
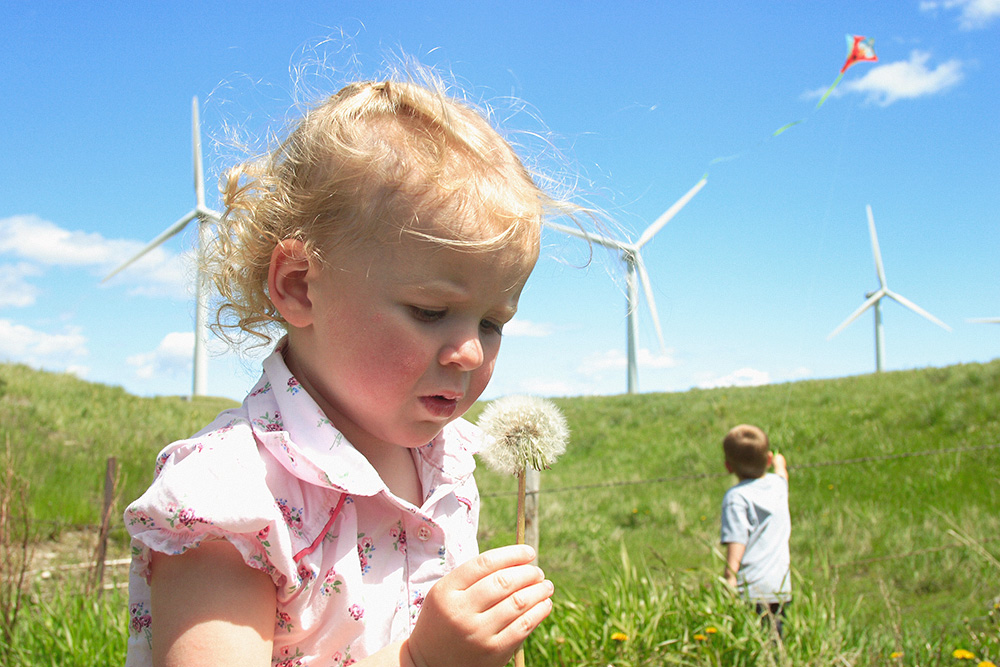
(440, 406)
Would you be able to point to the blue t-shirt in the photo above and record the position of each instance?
(755, 513)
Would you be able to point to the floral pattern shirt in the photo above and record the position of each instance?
(350, 561)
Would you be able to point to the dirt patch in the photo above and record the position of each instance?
(70, 559)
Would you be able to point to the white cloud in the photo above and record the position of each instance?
(527, 329)
(972, 14)
(78, 370)
(909, 79)
(616, 359)
(800, 373)
(33, 238)
(543, 387)
(43, 243)
(22, 344)
(14, 289)
(173, 356)
(744, 377)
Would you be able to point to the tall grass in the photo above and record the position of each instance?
(895, 500)
(69, 629)
(62, 429)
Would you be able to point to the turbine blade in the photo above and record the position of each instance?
(670, 213)
(899, 298)
(593, 238)
(875, 249)
(647, 287)
(983, 320)
(857, 313)
(210, 214)
(168, 233)
(199, 175)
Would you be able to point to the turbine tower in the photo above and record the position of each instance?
(205, 217)
(873, 300)
(634, 267)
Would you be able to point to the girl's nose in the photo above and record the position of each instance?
(466, 353)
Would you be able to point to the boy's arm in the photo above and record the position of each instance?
(734, 556)
(780, 466)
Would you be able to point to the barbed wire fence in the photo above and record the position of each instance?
(961, 543)
(103, 528)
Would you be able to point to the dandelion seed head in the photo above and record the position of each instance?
(522, 431)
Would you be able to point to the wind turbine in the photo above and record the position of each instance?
(873, 299)
(205, 217)
(984, 320)
(629, 253)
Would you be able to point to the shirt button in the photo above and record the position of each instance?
(423, 533)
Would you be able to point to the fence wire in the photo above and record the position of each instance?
(802, 466)
(713, 475)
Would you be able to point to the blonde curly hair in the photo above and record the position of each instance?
(364, 166)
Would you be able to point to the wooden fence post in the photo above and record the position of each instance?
(110, 482)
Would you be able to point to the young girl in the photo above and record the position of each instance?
(331, 519)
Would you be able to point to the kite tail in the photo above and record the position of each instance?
(829, 90)
(785, 127)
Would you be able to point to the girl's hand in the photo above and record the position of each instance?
(480, 613)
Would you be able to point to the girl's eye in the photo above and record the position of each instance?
(427, 314)
(492, 327)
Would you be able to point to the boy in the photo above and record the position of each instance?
(756, 523)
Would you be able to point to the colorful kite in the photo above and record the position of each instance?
(859, 48)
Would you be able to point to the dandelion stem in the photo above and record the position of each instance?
(521, 493)
(519, 539)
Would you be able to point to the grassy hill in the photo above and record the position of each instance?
(895, 483)
(891, 476)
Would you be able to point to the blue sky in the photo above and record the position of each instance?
(635, 101)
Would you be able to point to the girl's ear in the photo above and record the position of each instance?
(288, 282)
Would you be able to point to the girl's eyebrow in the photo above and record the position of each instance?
(449, 290)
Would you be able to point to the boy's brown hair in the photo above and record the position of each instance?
(747, 448)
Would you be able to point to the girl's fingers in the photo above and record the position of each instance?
(489, 562)
(520, 625)
(493, 589)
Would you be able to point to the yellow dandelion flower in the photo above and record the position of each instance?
(986, 663)
(896, 654)
(700, 637)
(962, 654)
(710, 630)
(619, 636)
(830, 487)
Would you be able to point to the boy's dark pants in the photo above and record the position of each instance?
(772, 612)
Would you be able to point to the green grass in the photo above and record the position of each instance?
(881, 538)
(70, 630)
(61, 431)
(894, 543)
